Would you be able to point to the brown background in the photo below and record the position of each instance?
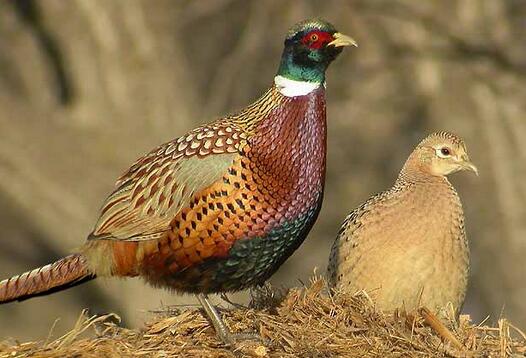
(87, 86)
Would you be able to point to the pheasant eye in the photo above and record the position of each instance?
(443, 152)
(314, 37)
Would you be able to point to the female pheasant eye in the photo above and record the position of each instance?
(443, 152)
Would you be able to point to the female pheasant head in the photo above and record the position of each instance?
(310, 46)
(440, 154)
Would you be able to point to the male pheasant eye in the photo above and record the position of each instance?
(314, 37)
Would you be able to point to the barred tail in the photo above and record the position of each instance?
(66, 272)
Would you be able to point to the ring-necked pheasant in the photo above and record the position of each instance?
(222, 207)
(407, 245)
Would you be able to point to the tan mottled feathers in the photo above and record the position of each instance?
(66, 272)
(407, 245)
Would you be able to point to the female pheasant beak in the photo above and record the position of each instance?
(341, 40)
(467, 165)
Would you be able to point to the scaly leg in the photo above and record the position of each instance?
(221, 329)
(219, 326)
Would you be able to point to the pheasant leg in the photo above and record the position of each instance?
(221, 329)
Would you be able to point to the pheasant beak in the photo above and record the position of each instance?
(467, 165)
(341, 40)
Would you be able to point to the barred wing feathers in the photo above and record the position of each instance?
(151, 193)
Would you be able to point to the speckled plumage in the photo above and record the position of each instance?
(218, 209)
(222, 207)
(263, 184)
(407, 246)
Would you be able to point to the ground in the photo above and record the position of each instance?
(302, 322)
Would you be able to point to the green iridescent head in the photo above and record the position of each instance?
(310, 46)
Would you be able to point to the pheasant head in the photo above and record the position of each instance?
(310, 46)
(439, 154)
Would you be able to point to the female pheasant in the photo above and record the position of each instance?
(407, 245)
(222, 207)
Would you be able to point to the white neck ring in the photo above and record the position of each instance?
(292, 88)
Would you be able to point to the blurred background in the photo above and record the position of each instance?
(87, 86)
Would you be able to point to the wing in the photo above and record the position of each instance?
(345, 249)
(161, 183)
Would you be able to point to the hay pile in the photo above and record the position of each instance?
(299, 323)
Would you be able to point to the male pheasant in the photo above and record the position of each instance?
(407, 245)
(222, 207)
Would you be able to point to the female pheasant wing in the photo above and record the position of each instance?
(157, 186)
(355, 235)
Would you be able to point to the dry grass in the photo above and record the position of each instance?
(299, 323)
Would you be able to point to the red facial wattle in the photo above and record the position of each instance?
(316, 39)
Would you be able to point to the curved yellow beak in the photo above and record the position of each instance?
(342, 40)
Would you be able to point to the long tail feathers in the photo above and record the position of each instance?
(66, 272)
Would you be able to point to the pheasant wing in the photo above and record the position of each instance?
(160, 184)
